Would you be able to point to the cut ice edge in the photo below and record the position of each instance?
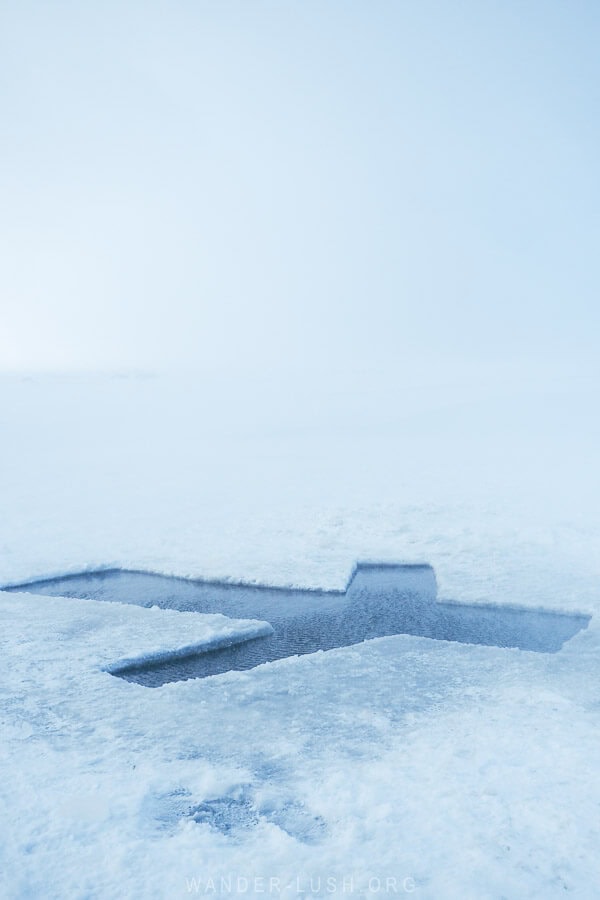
(253, 630)
(63, 574)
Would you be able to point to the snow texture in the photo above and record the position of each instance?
(402, 765)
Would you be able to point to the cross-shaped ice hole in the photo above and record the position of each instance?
(379, 600)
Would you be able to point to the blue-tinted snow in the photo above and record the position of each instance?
(470, 770)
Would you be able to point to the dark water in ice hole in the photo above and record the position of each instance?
(380, 600)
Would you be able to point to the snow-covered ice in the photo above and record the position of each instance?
(401, 765)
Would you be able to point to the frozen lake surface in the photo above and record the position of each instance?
(380, 600)
(468, 767)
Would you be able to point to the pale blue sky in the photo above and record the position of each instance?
(270, 185)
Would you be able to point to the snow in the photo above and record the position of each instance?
(401, 765)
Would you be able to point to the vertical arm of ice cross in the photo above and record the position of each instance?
(393, 578)
(393, 599)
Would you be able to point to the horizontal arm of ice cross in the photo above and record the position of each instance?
(380, 599)
(392, 575)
